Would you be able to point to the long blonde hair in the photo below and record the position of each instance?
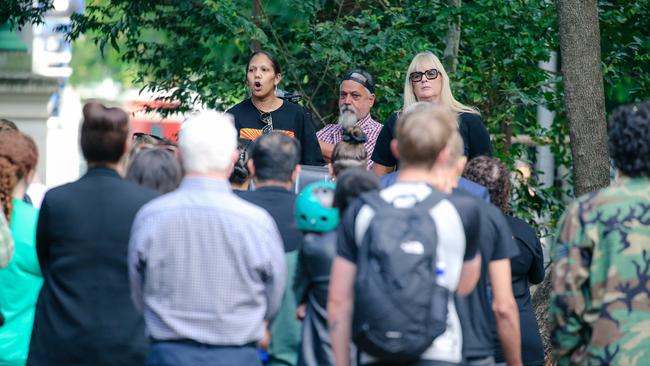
(447, 99)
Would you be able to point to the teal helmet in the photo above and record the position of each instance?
(314, 211)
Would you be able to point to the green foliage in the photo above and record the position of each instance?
(20, 12)
(90, 66)
(625, 46)
(195, 51)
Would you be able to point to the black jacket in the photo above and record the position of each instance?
(84, 314)
(527, 268)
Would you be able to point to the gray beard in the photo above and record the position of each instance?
(347, 119)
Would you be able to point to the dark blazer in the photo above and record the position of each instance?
(279, 203)
(84, 314)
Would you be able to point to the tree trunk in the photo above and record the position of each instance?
(450, 56)
(584, 93)
(257, 7)
(540, 307)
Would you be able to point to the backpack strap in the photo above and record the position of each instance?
(374, 200)
(430, 201)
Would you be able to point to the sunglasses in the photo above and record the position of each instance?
(417, 75)
(171, 148)
(267, 120)
(137, 135)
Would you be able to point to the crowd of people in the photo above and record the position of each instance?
(255, 239)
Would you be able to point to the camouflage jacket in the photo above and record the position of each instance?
(600, 301)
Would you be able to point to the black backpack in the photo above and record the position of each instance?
(399, 309)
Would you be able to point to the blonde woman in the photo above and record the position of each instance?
(427, 81)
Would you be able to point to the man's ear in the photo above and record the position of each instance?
(295, 173)
(251, 168)
(443, 157)
(372, 99)
(460, 165)
(393, 148)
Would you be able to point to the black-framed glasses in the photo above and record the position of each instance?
(267, 120)
(417, 75)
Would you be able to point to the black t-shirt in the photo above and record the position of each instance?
(475, 310)
(475, 137)
(290, 119)
(279, 203)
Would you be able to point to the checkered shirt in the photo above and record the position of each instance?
(333, 133)
(205, 265)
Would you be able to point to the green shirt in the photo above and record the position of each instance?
(600, 304)
(21, 282)
(285, 328)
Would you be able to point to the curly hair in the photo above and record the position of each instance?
(18, 157)
(629, 139)
(351, 151)
(493, 175)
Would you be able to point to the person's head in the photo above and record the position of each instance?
(139, 141)
(423, 131)
(350, 152)
(274, 157)
(356, 97)
(18, 159)
(155, 168)
(7, 125)
(141, 138)
(239, 178)
(263, 74)
(104, 134)
(427, 80)
(629, 139)
(208, 144)
(350, 184)
(314, 209)
(493, 175)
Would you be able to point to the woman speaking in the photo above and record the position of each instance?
(264, 112)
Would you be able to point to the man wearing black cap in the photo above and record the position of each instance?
(356, 97)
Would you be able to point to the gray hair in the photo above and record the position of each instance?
(207, 141)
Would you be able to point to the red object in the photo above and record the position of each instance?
(152, 122)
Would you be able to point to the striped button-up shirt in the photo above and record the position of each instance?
(333, 133)
(205, 265)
